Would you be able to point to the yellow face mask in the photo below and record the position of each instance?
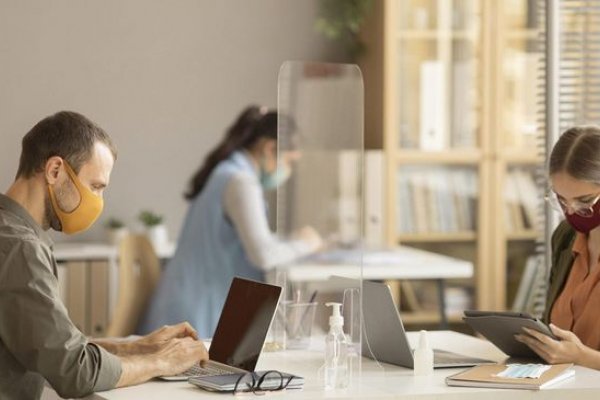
(86, 212)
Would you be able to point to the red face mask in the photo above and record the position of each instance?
(585, 224)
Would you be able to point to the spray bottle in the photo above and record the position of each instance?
(423, 357)
(336, 351)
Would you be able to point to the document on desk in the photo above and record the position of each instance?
(490, 376)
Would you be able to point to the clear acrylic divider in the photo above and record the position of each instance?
(321, 204)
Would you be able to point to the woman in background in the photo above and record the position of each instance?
(226, 232)
(574, 290)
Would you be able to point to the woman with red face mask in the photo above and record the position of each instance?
(573, 299)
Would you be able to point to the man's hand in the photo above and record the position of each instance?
(568, 349)
(153, 341)
(168, 351)
(179, 354)
(147, 344)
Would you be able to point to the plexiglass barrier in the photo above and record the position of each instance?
(320, 204)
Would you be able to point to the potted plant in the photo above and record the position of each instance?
(156, 231)
(341, 21)
(115, 230)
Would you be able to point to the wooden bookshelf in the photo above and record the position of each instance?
(430, 237)
(435, 35)
(523, 235)
(455, 157)
(520, 34)
(519, 157)
(487, 120)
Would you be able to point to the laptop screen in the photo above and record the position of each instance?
(244, 322)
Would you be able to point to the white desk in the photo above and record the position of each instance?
(376, 382)
(402, 263)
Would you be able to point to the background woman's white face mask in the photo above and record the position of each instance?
(274, 179)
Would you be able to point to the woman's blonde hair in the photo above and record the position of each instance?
(577, 153)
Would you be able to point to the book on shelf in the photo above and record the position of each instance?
(515, 220)
(444, 198)
(526, 285)
(522, 201)
(437, 200)
(485, 376)
(403, 218)
(531, 292)
(464, 116)
(419, 202)
(433, 106)
(433, 195)
(530, 198)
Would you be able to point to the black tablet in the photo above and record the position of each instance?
(500, 328)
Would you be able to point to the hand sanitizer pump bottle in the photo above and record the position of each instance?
(423, 357)
(336, 351)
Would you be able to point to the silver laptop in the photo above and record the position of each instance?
(385, 339)
(241, 331)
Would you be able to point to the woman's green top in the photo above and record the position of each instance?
(562, 262)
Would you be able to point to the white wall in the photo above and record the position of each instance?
(163, 78)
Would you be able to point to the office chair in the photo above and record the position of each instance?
(139, 272)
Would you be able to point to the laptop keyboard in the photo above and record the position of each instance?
(208, 370)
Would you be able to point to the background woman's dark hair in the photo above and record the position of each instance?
(577, 152)
(252, 124)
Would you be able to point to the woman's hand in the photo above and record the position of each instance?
(568, 349)
(310, 236)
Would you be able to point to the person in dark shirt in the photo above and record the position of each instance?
(65, 166)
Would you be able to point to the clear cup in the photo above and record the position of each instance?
(276, 337)
(299, 320)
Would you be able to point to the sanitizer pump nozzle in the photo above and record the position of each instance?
(336, 318)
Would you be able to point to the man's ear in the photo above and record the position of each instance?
(52, 169)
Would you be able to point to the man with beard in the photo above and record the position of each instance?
(65, 166)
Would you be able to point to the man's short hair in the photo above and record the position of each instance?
(66, 134)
